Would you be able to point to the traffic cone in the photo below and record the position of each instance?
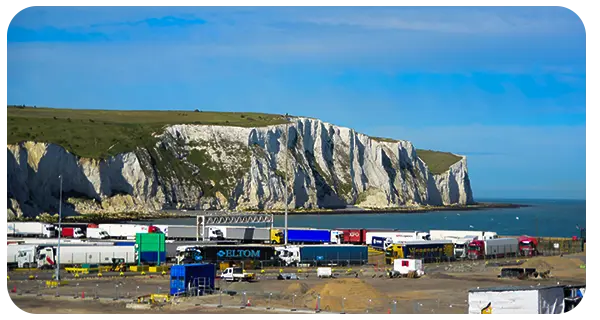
(248, 304)
(82, 294)
(389, 311)
(14, 289)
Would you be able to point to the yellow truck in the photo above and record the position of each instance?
(277, 236)
(429, 251)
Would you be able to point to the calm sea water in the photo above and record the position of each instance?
(545, 218)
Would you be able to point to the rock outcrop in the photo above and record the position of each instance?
(222, 167)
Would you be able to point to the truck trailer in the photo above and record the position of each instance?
(461, 234)
(517, 300)
(428, 251)
(224, 253)
(96, 233)
(342, 254)
(493, 248)
(30, 229)
(46, 256)
(245, 234)
(397, 236)
(126, 231)
(301, 236)
(183, 232)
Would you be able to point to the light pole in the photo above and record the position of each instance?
(286, 178)
(59, 231)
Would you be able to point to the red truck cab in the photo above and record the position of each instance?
(153, 229)
(476, 249)
(528, 246)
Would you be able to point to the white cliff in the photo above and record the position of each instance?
(203, 166)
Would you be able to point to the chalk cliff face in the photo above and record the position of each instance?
(221, 167)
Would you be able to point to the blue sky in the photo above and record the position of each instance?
(504, 86)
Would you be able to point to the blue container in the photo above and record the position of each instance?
(308, 236)
(153, 257)
(124, 244)
(334, 253)
(198, 277)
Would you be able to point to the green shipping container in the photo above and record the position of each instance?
(150, 242)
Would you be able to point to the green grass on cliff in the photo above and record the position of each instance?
(102, 133)
(437, 161)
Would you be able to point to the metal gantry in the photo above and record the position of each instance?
(233, 218)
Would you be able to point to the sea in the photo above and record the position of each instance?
(542, 218)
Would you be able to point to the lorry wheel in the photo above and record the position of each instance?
(26, 265)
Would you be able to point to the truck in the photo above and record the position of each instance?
(299, 236)
(245, 234)
(96, 233)
(182, 232)
(528, 246)
(493, 248)
(31, 229)
(224, 253)
(194, 279)
(397, 236)
(237, 274)
(428, 251)
(45, 257)
(69, 232)
(517, 300)
(332, 254)
(126, 231)
(461, 234)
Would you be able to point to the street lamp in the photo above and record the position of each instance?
(59, 230)
(286, 179)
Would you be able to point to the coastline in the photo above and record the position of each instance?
(178, 214)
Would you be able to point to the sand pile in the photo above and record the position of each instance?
(553, 263)
(298, 288)
(356, 292)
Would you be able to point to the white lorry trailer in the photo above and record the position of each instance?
(461, 234)
(517, 300)
(245, 234)
(30, 229)
(181, 232)
(46, 256)
(125, 231)
(397, 236)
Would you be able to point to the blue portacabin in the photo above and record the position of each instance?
(192, 279)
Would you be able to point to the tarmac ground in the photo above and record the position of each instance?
(443, 289)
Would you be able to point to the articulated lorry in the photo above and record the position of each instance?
(493, 248)
(307, 236)
(245, 234)
(30, 229)
(126, 231)
(428, 251)
(224, 253)
(391, 237)
(461, 234)
(45, 257)
(528, 246)
(332, 254)
(182, 232)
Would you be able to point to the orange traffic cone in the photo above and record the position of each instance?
(82, 294)
(248, 304)
(14, 289)
(389, 311)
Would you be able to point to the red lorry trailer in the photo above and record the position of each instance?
(528, 246)
(359, 236)
(69, 232)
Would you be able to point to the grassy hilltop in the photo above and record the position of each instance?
(101, 133)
